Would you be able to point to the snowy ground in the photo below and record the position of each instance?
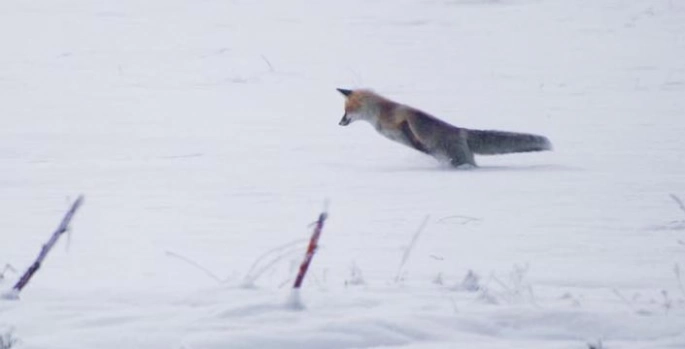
(209, 129)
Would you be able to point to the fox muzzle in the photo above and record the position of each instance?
(344, 121)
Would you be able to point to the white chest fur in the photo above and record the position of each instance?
(395, 135)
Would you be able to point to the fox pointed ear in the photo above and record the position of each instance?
(345, 92)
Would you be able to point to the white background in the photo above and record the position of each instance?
(209, 129)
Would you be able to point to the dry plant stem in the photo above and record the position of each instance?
(63, 227)
(311, 249)
(407, 251)
(194, 264)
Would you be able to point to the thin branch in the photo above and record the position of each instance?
(194, 264)
(251, 277)
(678, 202)
(63, 227)
(311, 248)
(412, 243)
(271, 67)
(277, 249)
(676, 270)
(464, 219)
(624, 299)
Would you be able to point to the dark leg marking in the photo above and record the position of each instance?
(409, 135)
(459, 152)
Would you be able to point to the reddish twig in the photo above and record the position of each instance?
(311, 249)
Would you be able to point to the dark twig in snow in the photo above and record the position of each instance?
(271, 67)
(63, 227)
(407, 251)
(294, 300)
(676, 270)
(311, 249)
(623, 299)
(667, 302)
(678, 202)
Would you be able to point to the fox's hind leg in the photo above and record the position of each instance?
(459, 154)
(462, 159)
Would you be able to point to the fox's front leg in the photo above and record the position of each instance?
(411, 139)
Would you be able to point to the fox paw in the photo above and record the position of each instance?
(465, 167)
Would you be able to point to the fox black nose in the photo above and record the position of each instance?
(344, 121)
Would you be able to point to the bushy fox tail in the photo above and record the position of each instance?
(488, 142)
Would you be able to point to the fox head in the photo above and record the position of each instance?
(359, 105)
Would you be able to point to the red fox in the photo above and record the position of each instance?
(430, 135)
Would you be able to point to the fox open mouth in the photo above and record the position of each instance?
(344, 121)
